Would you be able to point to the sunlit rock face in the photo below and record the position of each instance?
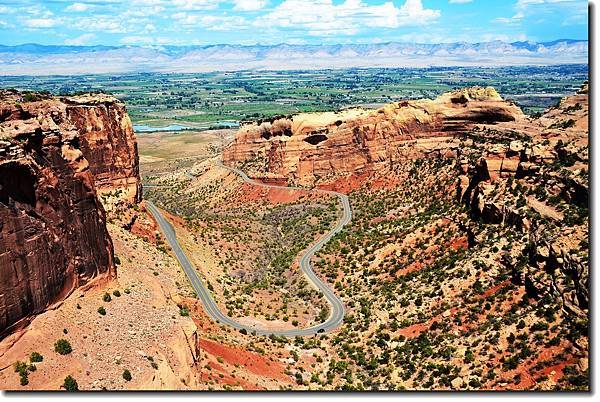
(308, 147)
(56, 157)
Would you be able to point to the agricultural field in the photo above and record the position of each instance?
(223, 99)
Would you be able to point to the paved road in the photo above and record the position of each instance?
(337, 310)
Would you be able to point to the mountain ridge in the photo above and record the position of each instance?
(35, 59)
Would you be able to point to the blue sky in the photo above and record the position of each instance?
(201, 22)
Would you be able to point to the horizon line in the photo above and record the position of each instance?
(298, 44)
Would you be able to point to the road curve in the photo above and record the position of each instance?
(337, 309)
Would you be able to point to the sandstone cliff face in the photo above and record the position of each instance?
(308, 147)
(53, 236)
(551, 165)
(108, 143)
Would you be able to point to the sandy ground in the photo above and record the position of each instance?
(140, 325)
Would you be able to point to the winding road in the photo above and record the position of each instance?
(337, 309)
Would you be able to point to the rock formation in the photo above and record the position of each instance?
(312, 146)
(54, 155)
(108, 143)
(513, 170)
(551, 164)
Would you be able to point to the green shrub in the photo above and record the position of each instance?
(70, 384)
(539, 326)
(35, 357)
(62, 347)
(469, 356)
(31, 97)
(20, 367)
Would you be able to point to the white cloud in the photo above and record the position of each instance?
(512, 20)
(210, 22)
(101, 23)
(460, 1)
(6, 10)
(526, 3)
(37, 10)
(196, 4)
(40, 22)
(84, 39)
(78, 7)
(147, 2)
(323, 17)
(249, 5)
(147, 11)
(149, 28)
(573, 11)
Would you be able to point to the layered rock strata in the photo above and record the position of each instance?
(308, 147)
(56, 155)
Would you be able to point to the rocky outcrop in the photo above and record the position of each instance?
(108, 143)
(307, 147)
(551, 163)
(54, 154)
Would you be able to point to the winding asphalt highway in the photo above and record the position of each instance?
(337, 309)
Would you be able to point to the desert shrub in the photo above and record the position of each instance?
(31, 97)
(539, 326)
(70, 384)
(469, 356)
(35, 357)
(62, 347)
(106, 298)
(20, 366)
(101, 310)
(127, 375)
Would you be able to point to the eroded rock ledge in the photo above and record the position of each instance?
(311, 146)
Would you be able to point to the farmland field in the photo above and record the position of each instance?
(223, 99)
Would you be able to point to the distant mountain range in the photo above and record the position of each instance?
(34, 59)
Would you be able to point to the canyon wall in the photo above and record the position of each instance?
(108, 143)
(54, 155)
(307, 147)
(555, 158)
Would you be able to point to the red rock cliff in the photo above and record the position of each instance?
(312, 146)
(108, 143)
(53, 236)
